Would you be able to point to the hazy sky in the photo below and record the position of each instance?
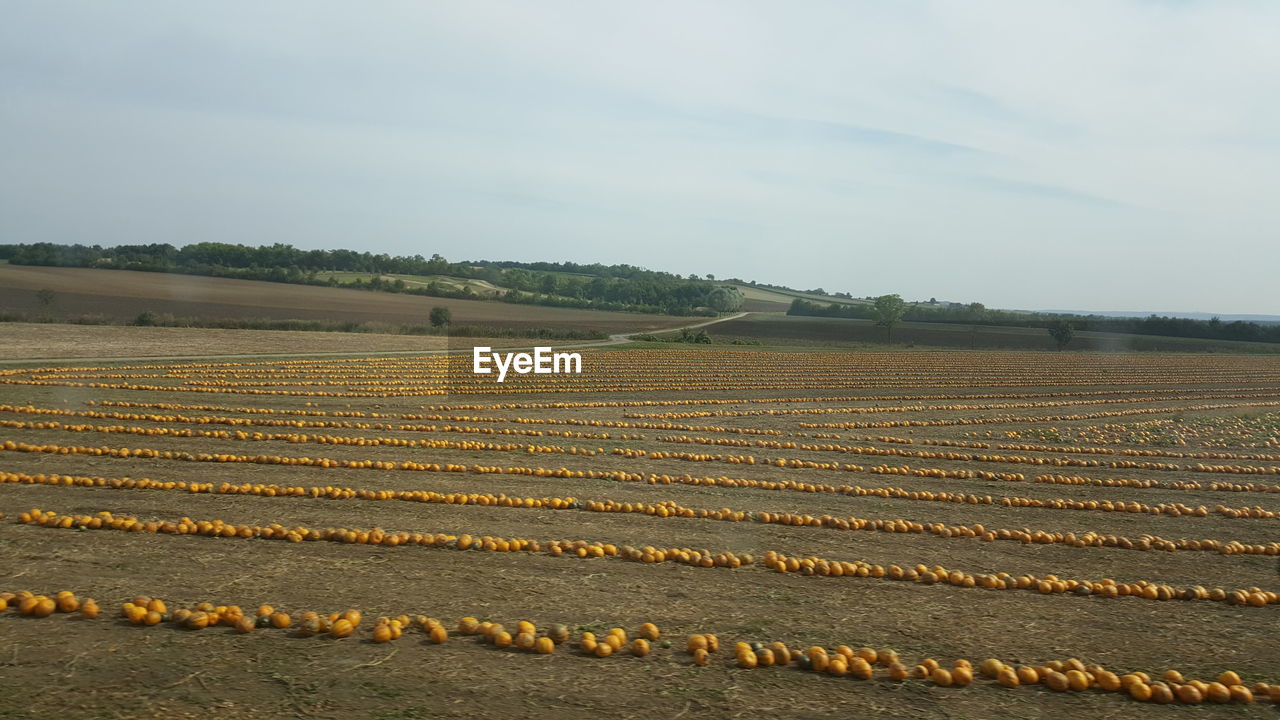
(1092, 155)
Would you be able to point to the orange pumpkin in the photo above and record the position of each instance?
(89, 609)
(341, 628)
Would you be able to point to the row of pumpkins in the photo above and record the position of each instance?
(1100, 415)
(1071, 675)
(666, 508)
(808, 566)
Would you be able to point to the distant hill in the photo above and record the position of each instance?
(1260, 319)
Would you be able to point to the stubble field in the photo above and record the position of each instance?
(1118, 510)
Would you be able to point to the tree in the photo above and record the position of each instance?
(888, 311)
(724, 299)
(1062, 332)
(440, 317)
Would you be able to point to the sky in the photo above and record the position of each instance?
(1084, 155)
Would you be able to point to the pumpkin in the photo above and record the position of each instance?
(67, 603)
(640, 647)
(701, 657)
(781, 654)
(502, 639)
(1078, 681)
(962, 676)
(649, 631)
(1008, 677)
(308, 627)
(524, 626)
(1056, 681)
(89, 609)
(898, 672)
(1161, 693)
(1229, 678)
(158, 605)
(341, 628)
(1107, 680)
(860, 668)
(43, 607)
(1188, 694)
(1140, 691)
(198, 620)
(382, 633)
(1241, 694)
(603, 649)
(588, 642)
(280, 620)
(558, 633)
(438, 635)
(838, 666)
(713, 642)
(697, 642)
(941, 677)
(245, 624)
(1173, 676)
(468, 626)
(1028, 675)
(1217, 692)
(524, 640)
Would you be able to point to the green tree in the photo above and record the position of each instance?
(1062, 332)
(888, 310)
(441, 317)
(724, 299)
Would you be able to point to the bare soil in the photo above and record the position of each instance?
(123, 294)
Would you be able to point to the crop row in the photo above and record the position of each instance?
(842, 661)
(672, 509)
(806, 566)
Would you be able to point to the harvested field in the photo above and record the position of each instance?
(123, 294)
(1118, 510)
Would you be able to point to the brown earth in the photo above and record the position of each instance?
(123, 294)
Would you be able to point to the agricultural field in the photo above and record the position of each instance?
(123, 294)
(771, 328)
(481, 288)
(673, 532)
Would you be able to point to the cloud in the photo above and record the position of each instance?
(961, 151)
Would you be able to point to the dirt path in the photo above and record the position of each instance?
(615, 339)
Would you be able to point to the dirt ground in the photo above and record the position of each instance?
(123, 294)
(66, 667)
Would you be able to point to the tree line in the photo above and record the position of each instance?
(1061, 326)
(596, 287)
